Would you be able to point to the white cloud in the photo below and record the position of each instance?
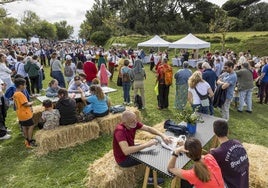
(73, 11)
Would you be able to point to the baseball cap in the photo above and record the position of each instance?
(68, 57)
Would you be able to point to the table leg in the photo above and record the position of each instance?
(146, 176)
(155, 179)
(176, 182)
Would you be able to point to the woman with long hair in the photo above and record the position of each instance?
(197, 88)
(98, 102)
(205, 173)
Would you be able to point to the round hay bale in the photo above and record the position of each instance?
(65, 136)
(258, 165)
(105, 172)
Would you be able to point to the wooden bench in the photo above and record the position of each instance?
(258, 165)
(105, 172)
(65, 136)
(108, 123)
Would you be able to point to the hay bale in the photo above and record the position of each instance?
(65, 136)
(108, 123)
(37, 113)
(142, 135)
(105, 172)
(258, 165)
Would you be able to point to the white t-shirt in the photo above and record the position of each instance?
(202, 88)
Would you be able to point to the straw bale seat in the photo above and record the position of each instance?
(108, 123)
(65, 136)
(37, 113)
(258, 165)
(105, 172)
(142, 135)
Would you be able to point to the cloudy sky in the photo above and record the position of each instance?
(73, 11)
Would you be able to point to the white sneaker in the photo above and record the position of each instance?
(8, 131)
(7, 136)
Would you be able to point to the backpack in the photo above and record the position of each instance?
(125, 77)
(68, 71)
(168, 75)
(138, 101)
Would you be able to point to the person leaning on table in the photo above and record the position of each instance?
(205, 173)
(123, 139)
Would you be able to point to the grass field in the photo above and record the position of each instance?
(19, 167)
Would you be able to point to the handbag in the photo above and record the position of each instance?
(119, 81)
(203, 98)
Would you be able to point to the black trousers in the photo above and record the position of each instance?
(163, 95)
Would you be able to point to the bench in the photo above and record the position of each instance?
(105, 172)
(108, 123)
(65, 136)
(258, 165)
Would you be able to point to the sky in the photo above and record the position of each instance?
(73, 11)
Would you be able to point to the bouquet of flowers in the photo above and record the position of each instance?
(187, 115)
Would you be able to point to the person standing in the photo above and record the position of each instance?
(264, 84)
(90, 69)
(5, 72)
(231, 156)
(56, 69)
(32, 69)
(19, 68)
(138, 75)
(112, 62)
(211, 78)
(228, 82)
(181, 77)
(126, 82)
(163, 87)
(245, 87)
(103, 75)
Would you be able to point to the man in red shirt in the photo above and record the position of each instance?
(124, 135)
(90, 69)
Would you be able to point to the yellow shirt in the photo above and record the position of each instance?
(23, 112)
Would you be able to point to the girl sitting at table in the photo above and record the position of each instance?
(99, 103)
(205, 172)
(53, 88)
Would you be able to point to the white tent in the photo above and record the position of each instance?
(156, 41)
(190, 42)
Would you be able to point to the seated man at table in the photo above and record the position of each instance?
(74, 87)
(231, 157)
(124, 135)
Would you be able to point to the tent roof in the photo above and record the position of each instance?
(190, 42)
(156, 41)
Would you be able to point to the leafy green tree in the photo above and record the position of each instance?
(46, 30)
(64, 31)
(9, 27)
(29, 24)
(235, 7)
(99, 37)
(85, 30)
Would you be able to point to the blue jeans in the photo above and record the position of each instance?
(201, 109)
(126, 89)
(59, 77)
(245, 97)
(129, 162)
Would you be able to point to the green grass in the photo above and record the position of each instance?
(19, 167)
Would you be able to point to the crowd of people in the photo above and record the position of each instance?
(76, 69)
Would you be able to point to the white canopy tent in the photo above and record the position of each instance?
(156, 41)
(190, 42)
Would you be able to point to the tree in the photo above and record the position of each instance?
(64, 31)
(99, 37)
(29, 23)
(9, 27)
(221, 24)
(46, 30)
(85, 29)
(235, 7)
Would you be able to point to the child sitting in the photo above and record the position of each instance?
(50, 117)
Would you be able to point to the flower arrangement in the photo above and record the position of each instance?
(187, 115)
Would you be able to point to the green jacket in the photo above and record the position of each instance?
(32, 69)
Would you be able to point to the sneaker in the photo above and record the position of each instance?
(8, 131)
(27, 144)
(7, 136)
(159, 181)
(33, 143)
